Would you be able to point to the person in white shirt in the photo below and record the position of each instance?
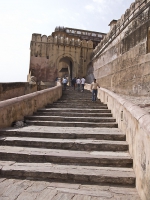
(78, 82)
(82, 84)
(94, 86)
(64, 82)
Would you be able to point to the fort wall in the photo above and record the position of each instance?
(15, 109)
(11, 90)
(121, 61)
(48, 52)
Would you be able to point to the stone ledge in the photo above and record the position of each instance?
(16, 108)
(137, 112)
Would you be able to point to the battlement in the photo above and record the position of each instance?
(61, 40)
(126, 24)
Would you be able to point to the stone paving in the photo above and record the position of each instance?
(15, 189)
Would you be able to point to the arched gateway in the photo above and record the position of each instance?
(66, 52)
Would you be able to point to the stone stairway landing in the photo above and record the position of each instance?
(71, 141)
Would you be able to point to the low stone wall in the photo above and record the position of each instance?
(11, 90)
(16, 108)
(135, 123)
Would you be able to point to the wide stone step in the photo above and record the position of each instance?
(79, 103)
(73, 124)
(93, 106)
(70, 119)
(75, 110)
(63, 100)
(66, 133)
(72, 114)
(92, 158)
(71, 173)
(71, 144)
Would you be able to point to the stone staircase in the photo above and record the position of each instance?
(73, 140)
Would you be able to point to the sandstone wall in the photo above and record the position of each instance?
(11, 90)
(16, 108)
(135, 123)
(48, 52)
(121, 62)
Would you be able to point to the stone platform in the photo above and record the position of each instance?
(16, 189)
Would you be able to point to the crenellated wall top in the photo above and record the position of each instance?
(60, 40)
(129, 17)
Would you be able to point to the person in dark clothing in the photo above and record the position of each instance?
(74, 82)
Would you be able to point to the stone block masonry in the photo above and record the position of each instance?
(16, 108)
(121, 61)
(135, 123)
(11, 90)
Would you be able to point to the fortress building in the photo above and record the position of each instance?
(119, 60)
(66, 51)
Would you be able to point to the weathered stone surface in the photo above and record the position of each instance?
(61, 196)
(123, 176)
(44, 191)
(99, 157)
(47, 193)
(11, 90)
(66, 133)
(121, 63)
(15, 109)
(72, 124)
(27, 196)
(94, 158)
(81, 197)
(72, 144)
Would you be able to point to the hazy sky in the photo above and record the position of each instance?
(20, 18)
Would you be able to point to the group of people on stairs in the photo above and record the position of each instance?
(80, 85)
(79, 82)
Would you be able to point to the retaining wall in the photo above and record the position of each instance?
(16, 108)
(11, 90)
(121, 60)
(135, 123)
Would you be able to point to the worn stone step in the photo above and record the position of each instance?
(70, 119)
(76, 100)
(75, 110)
(72, 114)
(77, 94)
(72, 124)
(79, 103)
(66, 133)
(93, 106)
(92, 158)
(71, 144)
(69, 173)
(79, 99)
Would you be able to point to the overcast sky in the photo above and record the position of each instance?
(20, 18)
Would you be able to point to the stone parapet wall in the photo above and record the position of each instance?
(16, 108)
(137, 14)
(121, 61)
(11, 90)
(135, 123)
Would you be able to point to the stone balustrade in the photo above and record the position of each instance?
(135, 123)
(16, 108)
